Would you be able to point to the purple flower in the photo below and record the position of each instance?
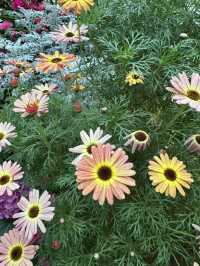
(8, 204)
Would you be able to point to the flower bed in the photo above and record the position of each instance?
(99, 133)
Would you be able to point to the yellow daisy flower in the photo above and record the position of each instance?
(169, 175)
(76, 5)
(134, 78)
(78, 87)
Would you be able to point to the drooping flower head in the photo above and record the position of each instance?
(31, 104)
(9, 174)
(134, 78)
(70, 33)
(53, 63)
(93, 139)
(8, 204)
(76, 5)
(193, 143)
(169, 175)
(7, 131)
(16, 250)
(46, 89)
(33, 212)
(106, 173)
(138, 140)
(186, 92)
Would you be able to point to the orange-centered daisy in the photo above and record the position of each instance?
(31, 104)
(107, 173)
(76, 5)
(53, 63)
(169, 175)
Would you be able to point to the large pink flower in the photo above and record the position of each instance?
(106, 173)
(186, 92)
(16, 249)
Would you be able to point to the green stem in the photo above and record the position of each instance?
(177, 116)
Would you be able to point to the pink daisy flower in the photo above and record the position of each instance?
(70, 33)
(7, 131)
(31, 104)
(16, 249)
(106, 173)
(33, 212)
(186, 92)
(9, 173)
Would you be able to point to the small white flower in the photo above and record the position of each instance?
(96, 256)
(62, 220)
(132, 254)
(94, 138)
(104, 109)
(183, 35)
(46, 89)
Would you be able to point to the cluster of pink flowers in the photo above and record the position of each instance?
(34, 4)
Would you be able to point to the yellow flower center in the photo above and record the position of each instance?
(69, 34)
(194, 95)
(56, 60)
(104, 173)
(170, 174)
(16, 253)
(1, 135)
(4, 179)
(33, 212)
(140, 136)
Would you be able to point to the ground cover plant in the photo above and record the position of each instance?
(99, 133)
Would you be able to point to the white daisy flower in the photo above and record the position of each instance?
(94, 138)
(6, 132)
